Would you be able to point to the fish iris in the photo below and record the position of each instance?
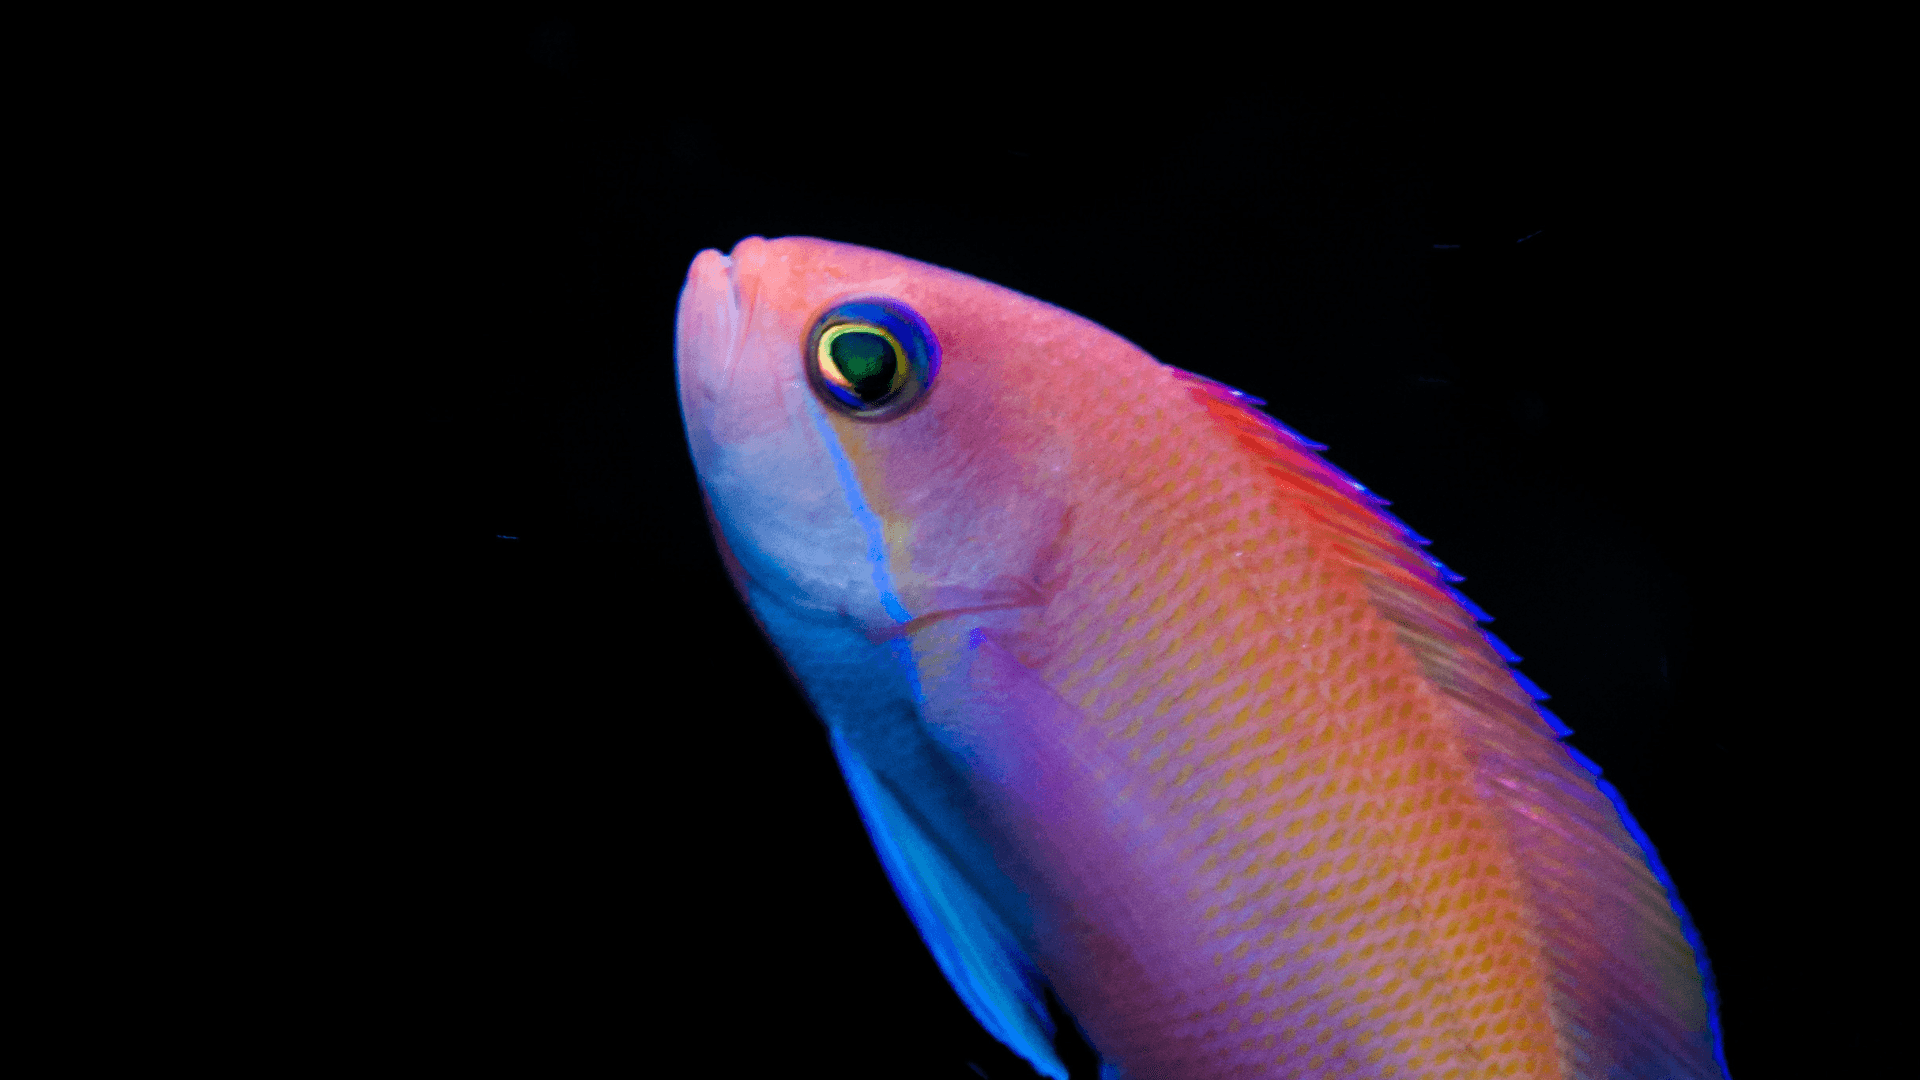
(872, 357)
(862, 361)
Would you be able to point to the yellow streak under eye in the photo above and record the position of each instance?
(830, 371)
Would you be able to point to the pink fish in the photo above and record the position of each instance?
(1146, 704)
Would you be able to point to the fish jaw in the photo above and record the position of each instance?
(766, 459)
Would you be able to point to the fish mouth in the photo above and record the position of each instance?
(709, 334)
(735, 346)
(734, 277)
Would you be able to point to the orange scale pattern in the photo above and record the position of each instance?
(1360, 916)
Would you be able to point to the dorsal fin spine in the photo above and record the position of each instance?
(1506, 652)
(1532, 688)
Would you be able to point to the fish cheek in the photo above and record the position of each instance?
(968, 505)
(879, 476)
(982, 534)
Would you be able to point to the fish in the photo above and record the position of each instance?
(1151, 711)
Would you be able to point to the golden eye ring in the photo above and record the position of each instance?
(872, 358)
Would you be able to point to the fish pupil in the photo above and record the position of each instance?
(867, 361)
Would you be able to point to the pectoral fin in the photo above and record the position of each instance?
(976, 951)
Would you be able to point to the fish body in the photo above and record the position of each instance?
(1147, 705)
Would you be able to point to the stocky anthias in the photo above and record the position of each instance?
(1146, 704)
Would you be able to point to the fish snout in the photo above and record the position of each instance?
(708, 325)
(709, 334)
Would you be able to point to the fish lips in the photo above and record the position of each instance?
(776, 503)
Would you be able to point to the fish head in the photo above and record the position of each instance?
(956, 499)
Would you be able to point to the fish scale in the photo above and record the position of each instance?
(1148, 705)
(1308, 766)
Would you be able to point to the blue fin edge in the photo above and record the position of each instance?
(1687, 929)
(986, 968)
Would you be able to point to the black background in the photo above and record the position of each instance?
(595, 826)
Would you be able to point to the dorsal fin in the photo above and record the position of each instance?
(1633, 990)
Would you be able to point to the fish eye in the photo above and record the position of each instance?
(873, 357)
